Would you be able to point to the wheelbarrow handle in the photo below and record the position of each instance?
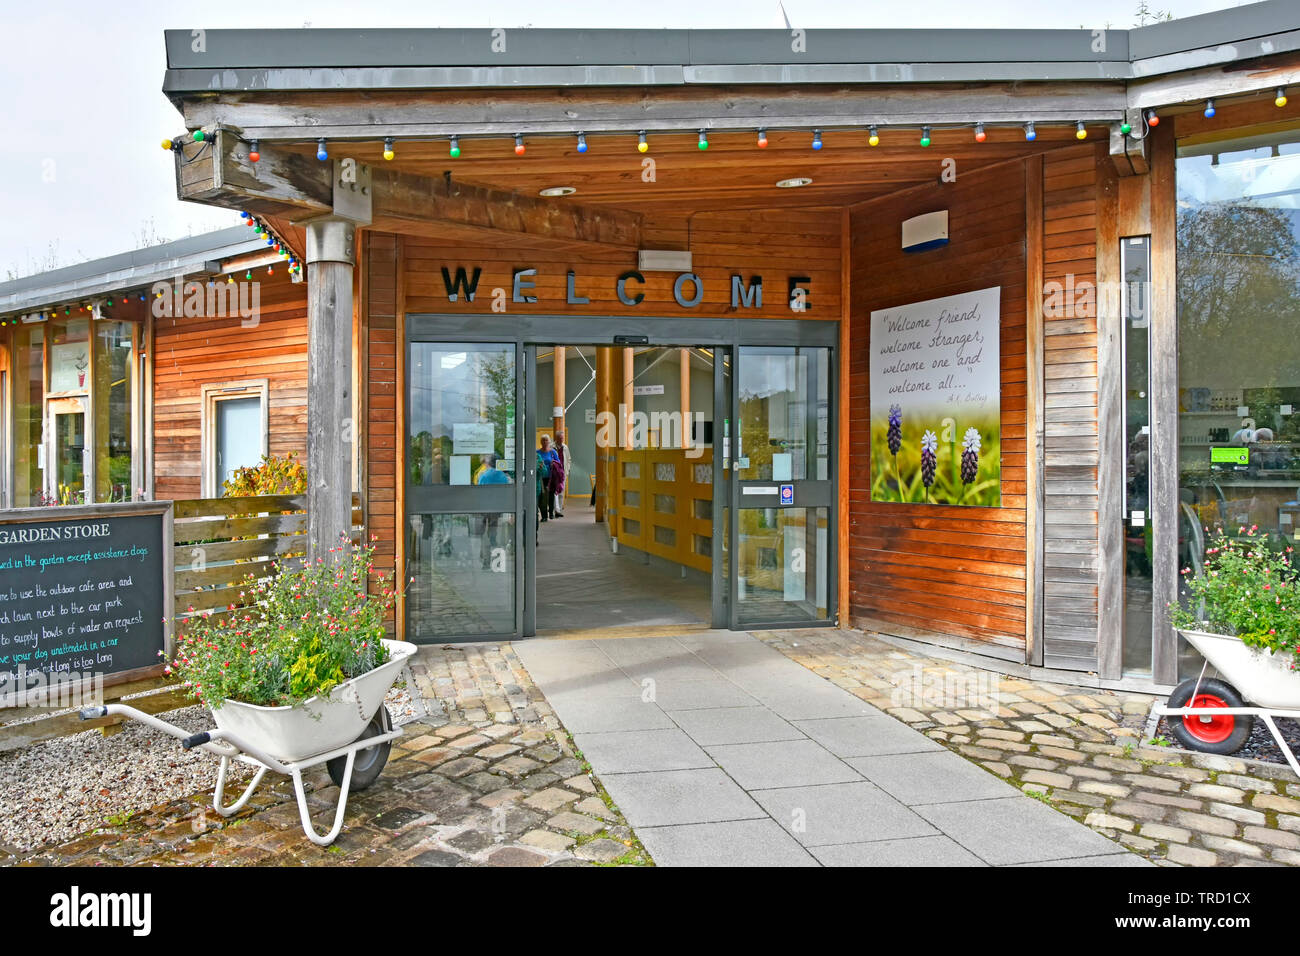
(197, 740)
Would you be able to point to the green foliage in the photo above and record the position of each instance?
(1248, 588)
(270, 476)
(1145, 14)
(309, 630)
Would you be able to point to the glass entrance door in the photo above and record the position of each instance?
(463, 485)
(68, 473)
(782, 481)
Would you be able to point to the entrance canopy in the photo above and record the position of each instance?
(881, 182)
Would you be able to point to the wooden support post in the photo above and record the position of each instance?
(629, 358)
(685, 355)
(604, 427)
(560, 392)
(330, 259)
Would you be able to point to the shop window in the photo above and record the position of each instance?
(28, 416)
(75, 412)
(1238, 355)
(234, 431)
(114, 398)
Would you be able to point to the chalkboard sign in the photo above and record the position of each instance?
(84, 590)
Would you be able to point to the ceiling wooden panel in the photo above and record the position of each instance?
(733, 173)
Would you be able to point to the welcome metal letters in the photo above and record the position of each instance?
(688, 289)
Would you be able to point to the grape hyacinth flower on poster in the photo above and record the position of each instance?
(970, 455)
(929, 460)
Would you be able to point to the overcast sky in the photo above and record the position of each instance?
(82, 174)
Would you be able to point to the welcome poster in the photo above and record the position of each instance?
(936, 406)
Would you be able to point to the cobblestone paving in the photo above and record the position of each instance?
(491, 779)
(1080, 750)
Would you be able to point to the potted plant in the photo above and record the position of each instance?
(1241, 614)
(305, 667)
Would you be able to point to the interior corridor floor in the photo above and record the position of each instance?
(582, 584)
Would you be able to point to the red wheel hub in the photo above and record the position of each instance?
(1210, 729)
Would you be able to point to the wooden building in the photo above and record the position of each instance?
(1101, 224)
(151, 374)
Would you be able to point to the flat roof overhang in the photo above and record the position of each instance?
(287, 89)
(131, 270)
(215, 61)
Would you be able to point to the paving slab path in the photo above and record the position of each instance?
(722, 751)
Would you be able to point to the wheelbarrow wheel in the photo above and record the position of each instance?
(1211, 734)
(369, 763)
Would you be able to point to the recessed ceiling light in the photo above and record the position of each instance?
(794, 182)
(552, 191)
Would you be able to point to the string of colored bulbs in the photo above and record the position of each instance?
(643, 139)
(260, 229)
(1150, 117)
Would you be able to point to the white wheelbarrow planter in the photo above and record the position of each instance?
(1217, 715)
(349, 731)
(318, 724)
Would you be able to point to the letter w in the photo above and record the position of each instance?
(469, 286)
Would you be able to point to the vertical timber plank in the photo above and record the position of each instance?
(399, 425)
(1164, 404)
(842, 418)
(1110, 426)
(1034, 503)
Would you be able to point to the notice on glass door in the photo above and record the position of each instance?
(936, 401)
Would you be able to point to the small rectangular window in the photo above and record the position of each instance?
(234, 431)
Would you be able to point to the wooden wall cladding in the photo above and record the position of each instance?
(952, 573)
(383, 355)
(189, 353)
(1072, 453)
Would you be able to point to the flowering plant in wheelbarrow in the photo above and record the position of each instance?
(301, 666)
(1242, 613)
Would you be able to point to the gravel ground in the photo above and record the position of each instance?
(53, 791)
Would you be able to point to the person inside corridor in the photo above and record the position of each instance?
(548, 461)
(561, 478)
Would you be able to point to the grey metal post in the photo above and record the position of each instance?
(331, 256)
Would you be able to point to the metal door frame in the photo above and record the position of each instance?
(725, 335)
(825, 496)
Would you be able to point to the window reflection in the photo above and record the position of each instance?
(1238, 352)
(462, 414)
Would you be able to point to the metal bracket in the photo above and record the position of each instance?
(331, 239)
(353, 191)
